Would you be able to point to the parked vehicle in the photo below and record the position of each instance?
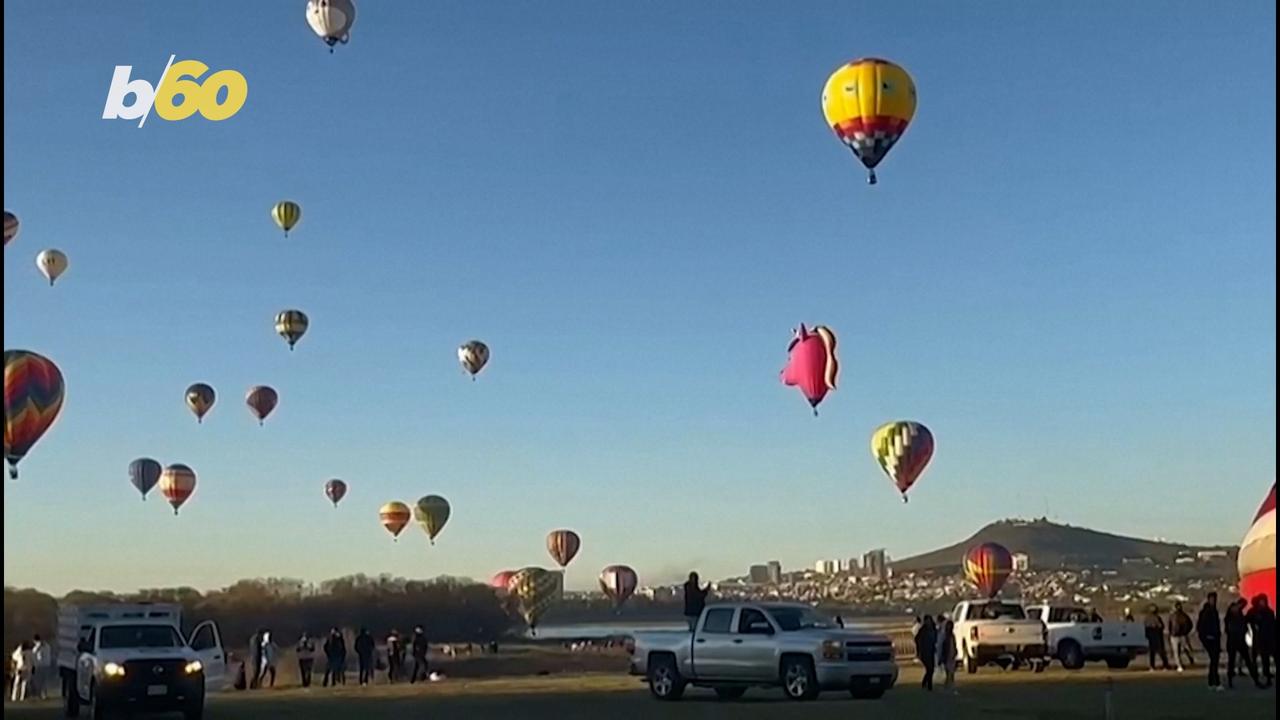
(736, 646)
(995, 632)
(1075, 639)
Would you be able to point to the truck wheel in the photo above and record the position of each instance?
(799, 680)
(664, 679)
(70, 697)
(730, 693)
(97, 710)
(1071, 654)
(970, 662)
(1119, 663)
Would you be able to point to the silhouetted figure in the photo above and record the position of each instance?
(926, 650)
(306, 652)
(335, 653)
(695, 600)
(420, 647)
(270, 652)
(1209, 628)
(1237, 631)
(1154, 626)
(364, 655)
(947, 654)
(1180, 629)
(395, 656)
(1262, 619)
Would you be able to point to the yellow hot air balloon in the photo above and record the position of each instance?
(869, 103)
(534, 589)
(286, 213)
(394, 516)
(431, 512)
(292, 325)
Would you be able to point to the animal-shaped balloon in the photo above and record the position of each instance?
(335, 490)
(261, 401)
(200, 399)
(1257, 560)
(812, 365)
(868, 104)
(394, 516)
(618, 582)
(177, 483)
(563, 546)
(903, 450)
(988, 566)
(33, 394)
(144, 473)
(473, 356)
(331, 20)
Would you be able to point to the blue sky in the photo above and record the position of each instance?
(1067, 271)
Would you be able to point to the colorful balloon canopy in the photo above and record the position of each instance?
(335, 490)
(33, 395)
(177, 483)
(200, 398)
(331, 20)
(261, 401)
(473, 356)
(988, 566)
(144, 473)
(286, 213)
(292, 325)
(1257, 560)
(619, 583)
(903, 449)
(52, 263)
(563, 546)
(812, 365)
(394, 517)
(431, 512)
(501, 580)
(11, 227)
(869, 103)
(534, 590)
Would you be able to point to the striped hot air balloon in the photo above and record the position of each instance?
(619, 583)
(535, 590)
(988, 566)
(177, 483)
(563, 546)
(1257, 561)
(394, 517)
(869, 103)
(292, 325)
(903, 449)
(144, 473)
(286, 213)
(33, 395)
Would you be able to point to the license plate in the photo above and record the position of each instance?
(154, 690)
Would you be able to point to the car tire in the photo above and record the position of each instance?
(1071, 655)
(97, 710)
(970, 662)
(730, 693)
(866, 694)
(664, 678)
(1119, 663)
(70, 698)
(799, 679)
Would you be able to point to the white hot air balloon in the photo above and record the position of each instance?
(52, 264)
(331, 20)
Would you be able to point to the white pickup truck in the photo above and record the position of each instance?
(998, 632)
(1075, 639)
(132, 658)
(736, 646)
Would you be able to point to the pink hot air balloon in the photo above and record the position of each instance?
(500, 580)
(812, 366)
(1257, 561)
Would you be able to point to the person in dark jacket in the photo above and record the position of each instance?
(1180, 628)
(695, 600)
(1154, 626)
(335, 654)
(1209, 628)
(364, 655)
(927, 649)
(1237, 631)
(395, 656)
(306, 653)
(947, 651)
(420, 648)
(1262, 620)
(255, 659)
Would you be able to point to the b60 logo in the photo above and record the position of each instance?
(177, 95)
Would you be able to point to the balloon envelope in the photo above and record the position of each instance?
(431, 512)
(812, 366)
(394, 516)
(11, 227)
(286, 213)
(619, 583)
(501, 580)
(335, 490)
(261, 401)
(33, 395)
(903, 449)
(473, 356)
(1257, 560)
(534, 589)
(988, 566)
(292, 325)
(563, 546)
(144, 473)
(52, 264)
(177, 483)
(200, 399)
(331, 20)
(869, 103)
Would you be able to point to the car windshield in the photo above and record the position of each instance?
(139, 636)
(799, 618)
(1000, 611)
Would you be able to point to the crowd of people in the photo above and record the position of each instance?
(401, 659)
(32, 669)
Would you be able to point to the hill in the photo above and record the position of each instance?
(1051, 545)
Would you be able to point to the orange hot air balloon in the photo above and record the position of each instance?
(988, 566)
(261, 401)
(177, 483)
(395, 516)
(563, 546)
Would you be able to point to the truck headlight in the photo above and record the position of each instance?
(113, 670)
(194, 667)
(832, 650)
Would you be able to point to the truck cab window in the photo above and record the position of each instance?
(203, 639)
(718, 620)
(753, 622)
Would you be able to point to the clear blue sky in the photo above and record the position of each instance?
(1067, 271)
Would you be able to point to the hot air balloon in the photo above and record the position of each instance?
(1257, 560)
(563, 546)
(261, 401)
(292, 325)
(618, 582)
(500, 580)
(903, 450)
(473, 355)
(144, 473)
(11, 227)
(431, 512)
(394, 517)
(988, 567)
(812, 365)
(200, 398)
(534, 589)
(177, 482)
(869, 103)
(331, 20)
(33, 394)
(335, 490)
(52, 263)
(286, 213)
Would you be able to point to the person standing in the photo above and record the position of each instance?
(24, 661)
(1262, 620)
(1237, 631)
(395, 656)
(270, 653)
(335, 656)
(42, 656)
(1154, 625)
(1209, 628)
(947, 654)
(306, 652)
(927, 649)
(364, 655)
(255, 658)
(420, 649)
(695, 600)
(1180, 628)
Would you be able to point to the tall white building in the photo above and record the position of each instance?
(827, 567)
(1021, 562)
(775, 572)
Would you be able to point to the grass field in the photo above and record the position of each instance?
(1054, 695)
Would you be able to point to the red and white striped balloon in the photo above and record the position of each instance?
(177, 483)
(1257, 561)
(619, 583)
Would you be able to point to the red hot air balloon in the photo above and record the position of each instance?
(988, 567)
(563, 546)
(500, 580)
(33, 394)
(335, 490)
(177, 482)
(619, 583)
(261, 401)
(1257, 561)
(812, 365)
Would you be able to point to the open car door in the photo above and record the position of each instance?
(207, 642)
